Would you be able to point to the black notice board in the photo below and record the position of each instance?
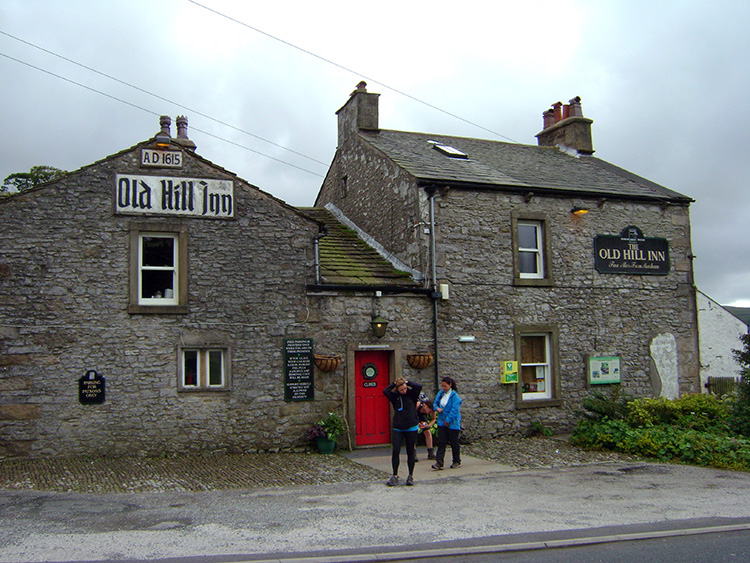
(91, 389)
(298, 370)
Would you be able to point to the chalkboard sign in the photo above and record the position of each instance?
(298, 369)
(91, 388)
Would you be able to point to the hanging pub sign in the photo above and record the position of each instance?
(631, 253)
(298, 370)
(91, 388)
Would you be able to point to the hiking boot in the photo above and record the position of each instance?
(455, 465)
(410, 481)
(393, 481)
(431, 453)
(437, 466)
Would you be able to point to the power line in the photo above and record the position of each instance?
(136, 106)
(191, 110)
(347, 69)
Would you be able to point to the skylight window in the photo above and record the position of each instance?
(448, 150)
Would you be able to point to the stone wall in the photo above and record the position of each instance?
(64, 279)
(595, 314)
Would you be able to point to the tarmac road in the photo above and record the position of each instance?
(473, 503)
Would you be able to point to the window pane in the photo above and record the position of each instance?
(157, 284)
(533, 350)
(528, 263)
(215, 371)
(158, 251)
(527, 236)
(190, 368)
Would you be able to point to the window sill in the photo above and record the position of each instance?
(533, 282)
(532, 404)
(158, 309)
(203, 390)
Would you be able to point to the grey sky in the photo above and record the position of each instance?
(665, 82)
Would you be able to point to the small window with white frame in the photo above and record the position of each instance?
(536, 367)
(530, 256)
(158, 269)
(539, 370)
(531, 250)
(204, 369)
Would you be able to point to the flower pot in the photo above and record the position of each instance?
(325, 445)
(420, 360)
(327, 362)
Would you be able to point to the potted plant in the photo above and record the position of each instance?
(326, 431)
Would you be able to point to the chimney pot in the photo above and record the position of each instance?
(549, 118)
(182, 127)
(575, 109)
(557, 106)
(165, 122)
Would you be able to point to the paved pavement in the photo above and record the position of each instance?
(480, 504)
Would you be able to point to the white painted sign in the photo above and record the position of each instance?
(162, 159)
(161, 195)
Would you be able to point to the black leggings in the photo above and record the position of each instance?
(447, 436)
(411, 449)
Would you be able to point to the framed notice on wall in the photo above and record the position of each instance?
(603, 369)
(298, 370)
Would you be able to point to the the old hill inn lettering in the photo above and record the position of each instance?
(631, 253)
(174, 196)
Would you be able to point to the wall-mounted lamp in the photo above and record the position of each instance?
(579, 211)
(378, 324)
(163, 140)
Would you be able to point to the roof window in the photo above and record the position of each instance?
(448, 150)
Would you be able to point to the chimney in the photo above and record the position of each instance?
(165, 122)
(565, 125)
(182, 133)
(359, 113)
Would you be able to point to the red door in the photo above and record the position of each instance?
(372, 409)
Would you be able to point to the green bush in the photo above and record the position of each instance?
(693, 429)
(740, 410)
(599, 405)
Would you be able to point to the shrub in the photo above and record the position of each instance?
(649, 412)
(599, 405)
(740, 411)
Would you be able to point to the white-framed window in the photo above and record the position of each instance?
(158, 273)
(158, 269)
(537, 351)
(530, 250)
(536, 366)
(203, 369)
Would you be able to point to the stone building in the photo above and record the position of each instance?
(579, 271)
(155, 302)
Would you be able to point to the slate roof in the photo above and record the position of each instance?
(501, 165)
(345, 259)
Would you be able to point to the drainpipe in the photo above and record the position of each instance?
(323, 232)
(433, 255)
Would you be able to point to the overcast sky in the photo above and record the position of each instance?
(666, 83)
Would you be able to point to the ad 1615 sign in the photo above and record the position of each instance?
(631, 253)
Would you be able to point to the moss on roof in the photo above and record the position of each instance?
(345, 259)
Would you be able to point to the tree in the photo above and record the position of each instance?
(22, 181)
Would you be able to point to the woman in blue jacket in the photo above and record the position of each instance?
(448, 406)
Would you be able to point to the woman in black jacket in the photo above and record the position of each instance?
(404, 395)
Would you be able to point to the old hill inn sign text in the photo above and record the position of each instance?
(161, 195)
(631, 253)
